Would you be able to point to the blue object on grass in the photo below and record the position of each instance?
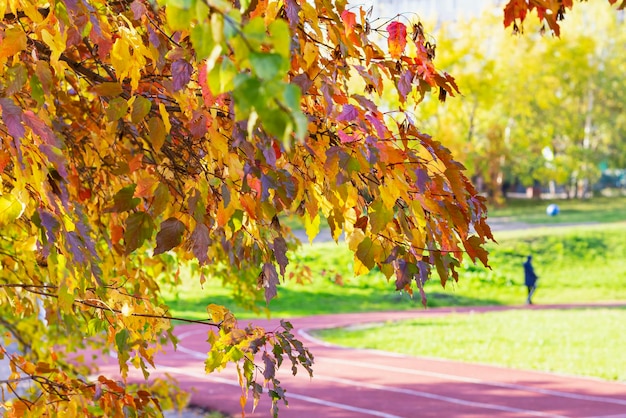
(552, 210)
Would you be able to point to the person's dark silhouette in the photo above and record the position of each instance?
(530, 279)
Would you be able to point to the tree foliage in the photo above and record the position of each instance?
(549, 12)
(132, 131)
(534, 108)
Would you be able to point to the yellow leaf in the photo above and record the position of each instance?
(312, 226)
(216, 312)
(110, 89)
(57, 43)
(166, 117)
(359, 268)
(417, 238)
(14, 41)
(120, 57)
(310, 54)
(389, 195)
(10, 209)
(355, 238)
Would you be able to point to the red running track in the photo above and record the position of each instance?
(367, 383)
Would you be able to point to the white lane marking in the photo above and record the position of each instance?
(199, 355)
(443, 376)
(290, 395)
(306, 335)
(438, 397)
(610, 416)
(475, 381)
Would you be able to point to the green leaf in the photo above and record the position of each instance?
(10, 209)
(141, 109)
(302, 125)
(214, 360)
(254, 32)
(266, 65)
(178, 18)
(156, 129)
(246, 95)
(161, 199)
(281, 38)
(36, 90)
(365, 253)
(121, 340)
(379, 216)
(292, 96)
(202, 40)
(220, 78)
(124, 201)
(169, 236)
(117, 109)
(139, 227)
(276, 122)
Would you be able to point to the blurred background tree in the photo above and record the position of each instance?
(533, 112)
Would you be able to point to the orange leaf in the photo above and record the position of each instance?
(397, 38)
(349, 20)
(117, 232)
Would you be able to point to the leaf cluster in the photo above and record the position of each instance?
(131, 130)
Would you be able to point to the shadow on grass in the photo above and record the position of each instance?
(441, 299)
(304, 302)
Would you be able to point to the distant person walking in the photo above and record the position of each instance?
(530, 278)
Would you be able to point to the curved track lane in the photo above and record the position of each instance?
(368, 383)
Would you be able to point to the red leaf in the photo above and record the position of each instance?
(292, 9)
(124, 200)
(139, 227)
(169, 236)
(268, 279)
(181, 74)
(200, 241)
(397, 38)
(349, 20)
(345, 138)
(12, 118)
(475, 250)
(270, 366)
(349, 113)
(405, 85)
(40, 129)
(515, 9)
(280, 253)
(138, 9)
(381, 129)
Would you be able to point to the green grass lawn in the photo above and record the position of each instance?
(575, 264)
(586, 342)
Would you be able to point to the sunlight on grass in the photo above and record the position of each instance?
(578, 342)
(575, 265)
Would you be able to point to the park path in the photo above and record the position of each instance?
(367, 383)
(496, 225)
